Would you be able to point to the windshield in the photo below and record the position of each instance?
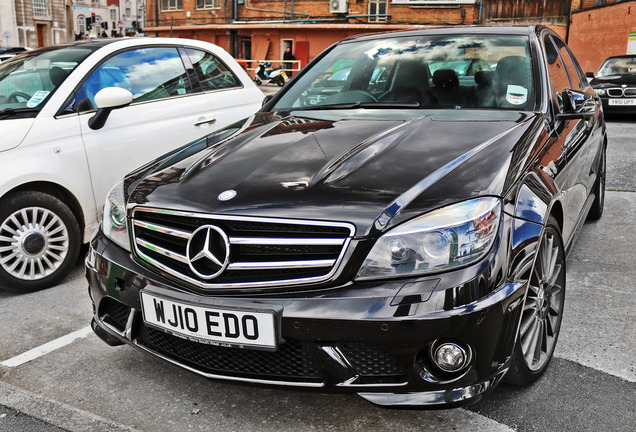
(432, 71)
(618, 66)
(27, 81)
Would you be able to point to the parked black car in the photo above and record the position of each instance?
(615, 83)
(407, 243)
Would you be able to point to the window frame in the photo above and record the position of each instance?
(374, 17)
(167, 7)
(40, 9)
(195, 88)
(214, 5)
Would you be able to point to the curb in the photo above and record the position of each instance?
(56, 413)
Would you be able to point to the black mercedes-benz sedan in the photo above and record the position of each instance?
(403, 236)
(615, 83)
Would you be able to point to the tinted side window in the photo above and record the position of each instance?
(575, 77)
(148, 73)
(556, 69)
(212, 73)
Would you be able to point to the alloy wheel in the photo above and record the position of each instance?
(34, 242)
(541, 316)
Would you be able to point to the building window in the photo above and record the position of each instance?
(206, 4)
(127, 12)
(170, 5)
(376, 8)
(81, 24)
(113, 14)
(39, 8)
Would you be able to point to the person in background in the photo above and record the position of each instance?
(287, 57)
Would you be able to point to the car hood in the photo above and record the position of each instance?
(13, 132)
(614, 80)
(371, 170)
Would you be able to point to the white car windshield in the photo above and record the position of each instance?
(27, 80)
(436, 71)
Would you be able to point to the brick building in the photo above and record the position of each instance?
(600, 29)
(262, 29)
(36, 23)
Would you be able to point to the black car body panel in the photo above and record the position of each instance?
(293, 188)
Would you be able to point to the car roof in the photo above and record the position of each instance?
(455, 30)
(96, 44)
(620, 57)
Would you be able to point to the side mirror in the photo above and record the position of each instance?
(589, 75)
(266, 99)
(577, 105)
(108, 99)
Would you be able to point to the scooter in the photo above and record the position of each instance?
(274, 76)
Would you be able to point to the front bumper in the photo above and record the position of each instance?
(624, 108)
(373, 339)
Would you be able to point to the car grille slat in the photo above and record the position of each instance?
(165, 252)
(263, 252)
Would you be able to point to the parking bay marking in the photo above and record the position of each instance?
(47, 347)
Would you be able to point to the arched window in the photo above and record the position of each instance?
(81, 24)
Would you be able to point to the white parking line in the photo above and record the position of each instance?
(47, 348)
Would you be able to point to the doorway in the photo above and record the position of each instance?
(39, 30)
(284, 44)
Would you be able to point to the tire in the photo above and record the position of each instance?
(596, 211)
(280, 80)
(542, 311)
(39, 241)
(258, 81)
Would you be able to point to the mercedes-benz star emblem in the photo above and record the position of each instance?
(208, 251)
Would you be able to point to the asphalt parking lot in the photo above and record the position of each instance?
(56, 375)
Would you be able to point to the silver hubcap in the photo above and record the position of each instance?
(542, 311)
(33, 243)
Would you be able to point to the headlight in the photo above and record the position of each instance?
(600, 92)
(444, 239)
(114, 218)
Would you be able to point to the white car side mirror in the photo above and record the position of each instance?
(113, 97)
(108, 99)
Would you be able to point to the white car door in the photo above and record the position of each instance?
(223, 88)
(166, 113)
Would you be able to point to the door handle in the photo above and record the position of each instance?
(204, 121)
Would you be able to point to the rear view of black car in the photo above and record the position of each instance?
(398, 233)
(615, 83)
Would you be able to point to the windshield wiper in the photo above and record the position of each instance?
(8, 112)
(353, 105)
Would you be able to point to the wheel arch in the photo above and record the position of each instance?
(58, 192)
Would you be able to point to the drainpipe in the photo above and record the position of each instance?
(481, 2)
(234, 33)
(567, 25)
(156, 17)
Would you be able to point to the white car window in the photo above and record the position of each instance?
(212, 73)
(148, 73)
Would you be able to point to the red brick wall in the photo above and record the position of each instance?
(400, 14)
(598, 33)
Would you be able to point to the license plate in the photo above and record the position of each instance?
(622, 101)
(211, 325)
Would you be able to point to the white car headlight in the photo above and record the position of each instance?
(444, 239)
(114, 219)
(600, 92)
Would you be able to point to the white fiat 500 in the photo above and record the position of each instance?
(74, 119)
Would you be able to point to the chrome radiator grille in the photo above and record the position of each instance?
(212, 251)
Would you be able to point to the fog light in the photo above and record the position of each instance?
(450, 357)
